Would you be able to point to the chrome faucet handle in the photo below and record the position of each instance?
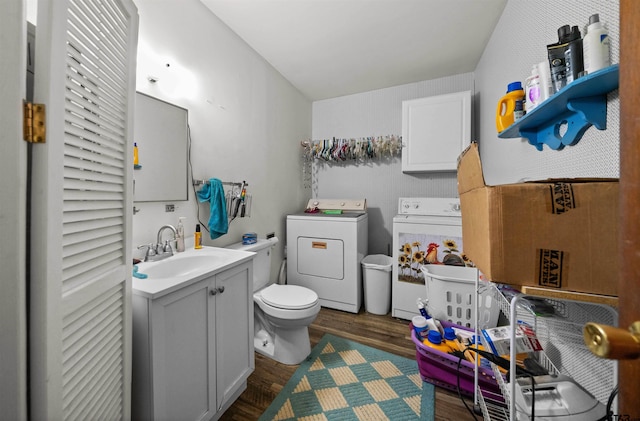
(151, 251)
(167, 247)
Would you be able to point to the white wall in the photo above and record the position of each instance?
(246, 120)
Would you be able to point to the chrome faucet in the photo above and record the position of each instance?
(164, 227)
(166, 249)
(159, 251)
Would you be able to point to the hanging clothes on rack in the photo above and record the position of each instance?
(213, 192)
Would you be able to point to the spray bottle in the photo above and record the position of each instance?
(432, 323)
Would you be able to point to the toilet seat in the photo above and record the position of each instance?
(289, 297)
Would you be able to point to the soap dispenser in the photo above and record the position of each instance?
(180, 236)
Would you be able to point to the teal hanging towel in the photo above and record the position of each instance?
(213, 192)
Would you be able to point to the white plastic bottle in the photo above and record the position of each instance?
(180, 236)
(544, 74)
(532, 90)
(595, 46)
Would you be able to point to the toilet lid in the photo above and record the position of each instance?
(290, 297)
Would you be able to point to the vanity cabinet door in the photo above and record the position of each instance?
(234, 332)
(435, 131)
(183, 354)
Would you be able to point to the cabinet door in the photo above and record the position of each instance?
(234, 331)
(435, 130)
(183, 354)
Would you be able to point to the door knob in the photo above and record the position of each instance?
(220, 290)
(612, 342)
(213, 291)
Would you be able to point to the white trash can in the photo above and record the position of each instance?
(376, 275)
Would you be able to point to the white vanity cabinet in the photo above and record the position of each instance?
(435, 131)
(193, 347)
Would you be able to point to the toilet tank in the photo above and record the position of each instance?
(262, 260)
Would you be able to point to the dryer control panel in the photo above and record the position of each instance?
(425, 206)
(353, 205)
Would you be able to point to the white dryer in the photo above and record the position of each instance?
(324, 251)
(425, 230)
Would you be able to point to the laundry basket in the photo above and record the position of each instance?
(451, 296)
(452, 373)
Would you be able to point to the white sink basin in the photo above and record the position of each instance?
(177, 266)
(166, 275)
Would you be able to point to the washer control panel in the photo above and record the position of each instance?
(429, 206)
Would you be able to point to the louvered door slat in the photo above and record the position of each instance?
(76, 276)
(83, 83)
(96, 349)
(96, 54)
(85, 145)
(91, 124)
(78, 247)
(76, 256)
(77, 157)
(79, 90)
(86, 318)
(88, 110)
(93, 176)
(95, 186)
(90, 106)
(91, 221)
(74, 206)
(91, 195)
(113, 25)
(99, 19)
(82, 236)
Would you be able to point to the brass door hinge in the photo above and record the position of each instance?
(34, 123)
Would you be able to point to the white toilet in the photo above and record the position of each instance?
(282, 313)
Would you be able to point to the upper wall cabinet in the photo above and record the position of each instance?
(435, 131)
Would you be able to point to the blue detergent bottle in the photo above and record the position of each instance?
(434, 341)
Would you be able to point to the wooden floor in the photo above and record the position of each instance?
(381, 332)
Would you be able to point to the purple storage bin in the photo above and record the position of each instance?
(441, 369)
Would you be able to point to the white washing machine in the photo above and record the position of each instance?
(425, 230)
(324, 251)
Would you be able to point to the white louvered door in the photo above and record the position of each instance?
(80, 294)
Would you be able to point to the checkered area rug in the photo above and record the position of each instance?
(344, 380)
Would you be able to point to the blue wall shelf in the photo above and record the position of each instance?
(577, 106)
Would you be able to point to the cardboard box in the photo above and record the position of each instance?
(557, 234)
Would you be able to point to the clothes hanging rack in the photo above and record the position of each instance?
(350, 149)
(224, 183)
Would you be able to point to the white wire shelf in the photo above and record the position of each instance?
(564, 351)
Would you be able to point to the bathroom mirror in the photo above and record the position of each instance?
(161, 134)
